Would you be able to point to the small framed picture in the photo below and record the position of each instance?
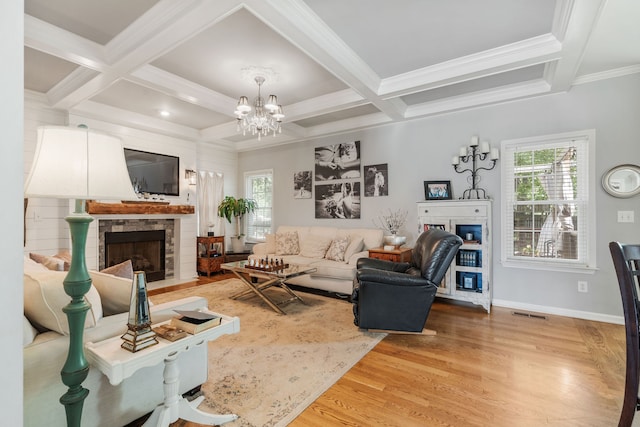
(437, 190)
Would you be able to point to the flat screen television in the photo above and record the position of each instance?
(153, 173)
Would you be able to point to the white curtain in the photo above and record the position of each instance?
(210, 194)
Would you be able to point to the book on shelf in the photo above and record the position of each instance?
(195, 321)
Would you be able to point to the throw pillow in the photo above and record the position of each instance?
(315, 246)
(44, 298)
(115, 292)
(124, 270)
(51, 262)
(287, 243)
(356, 244)
(31, 266)
(65, 256)
(337, 249)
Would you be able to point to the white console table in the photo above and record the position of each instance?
(118, 364)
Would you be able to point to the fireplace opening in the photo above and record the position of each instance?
(145, 249)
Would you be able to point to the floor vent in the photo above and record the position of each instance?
(533, 316)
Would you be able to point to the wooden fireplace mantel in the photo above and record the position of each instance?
(132, 208)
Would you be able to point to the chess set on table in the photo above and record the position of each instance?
(266, 264)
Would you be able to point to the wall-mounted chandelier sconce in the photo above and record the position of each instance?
(191, 176)
(471, 154)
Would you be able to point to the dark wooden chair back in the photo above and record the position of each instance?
(626, 260)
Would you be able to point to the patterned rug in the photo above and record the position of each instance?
(277, 365)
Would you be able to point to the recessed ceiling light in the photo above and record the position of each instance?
(165, 113)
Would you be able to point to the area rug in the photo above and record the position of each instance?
(278, 364)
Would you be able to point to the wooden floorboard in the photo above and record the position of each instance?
(481, 369)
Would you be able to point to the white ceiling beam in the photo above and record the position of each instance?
(573, 25)
(181, 88)
(168, 25)
(324, 104)
(55, 41)
(521, 54)
(345, 125)
(296, 22)
(98, 111)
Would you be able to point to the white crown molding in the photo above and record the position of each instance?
(476, 99)
(609, 74)
(521, 54)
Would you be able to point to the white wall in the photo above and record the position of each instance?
(421, 150)
(11, 117)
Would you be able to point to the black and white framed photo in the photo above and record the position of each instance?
(437, 190)
(337, 161)
(376, 180)
(302, 185)
(338, 200)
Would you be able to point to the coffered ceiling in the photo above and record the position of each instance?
(335, 65)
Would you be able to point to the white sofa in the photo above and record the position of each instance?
(319, 247)
(45, 352)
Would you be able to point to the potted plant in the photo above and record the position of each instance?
(232, 208)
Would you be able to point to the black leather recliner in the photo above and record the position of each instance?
(397, 296)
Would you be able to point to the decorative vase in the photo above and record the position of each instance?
(139, 333)
(237, 244)
(395, 240)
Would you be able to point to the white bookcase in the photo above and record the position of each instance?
(469, 278)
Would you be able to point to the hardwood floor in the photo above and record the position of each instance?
(500, 369)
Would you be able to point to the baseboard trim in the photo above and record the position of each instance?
(578, 314)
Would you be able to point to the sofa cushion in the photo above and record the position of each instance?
(115, 292)
(51, 262)
(356, 244)
(65, 255)
(124, 270)
(337, 249)
(287, 243)
(315, 246)
(44, 298)
(333, 269)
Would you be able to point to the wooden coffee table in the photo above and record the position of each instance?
(265, 280)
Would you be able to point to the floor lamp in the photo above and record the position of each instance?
(76, 163)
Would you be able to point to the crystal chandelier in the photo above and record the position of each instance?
(262, 118)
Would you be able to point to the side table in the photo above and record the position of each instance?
(211, 254)
(118, 364)
(396, 255)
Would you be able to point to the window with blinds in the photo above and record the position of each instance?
(259, 187)
(547, 201)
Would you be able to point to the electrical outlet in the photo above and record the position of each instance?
(583, 286)
(625, 216)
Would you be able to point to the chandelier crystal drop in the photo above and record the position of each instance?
(261, 119)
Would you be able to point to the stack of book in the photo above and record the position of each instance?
(195, 321)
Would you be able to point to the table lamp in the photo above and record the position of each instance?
(77, 163)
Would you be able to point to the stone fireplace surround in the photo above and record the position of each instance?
(122, 225)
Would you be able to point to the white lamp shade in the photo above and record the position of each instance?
(78, 163)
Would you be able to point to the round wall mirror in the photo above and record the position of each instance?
(622, 181)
